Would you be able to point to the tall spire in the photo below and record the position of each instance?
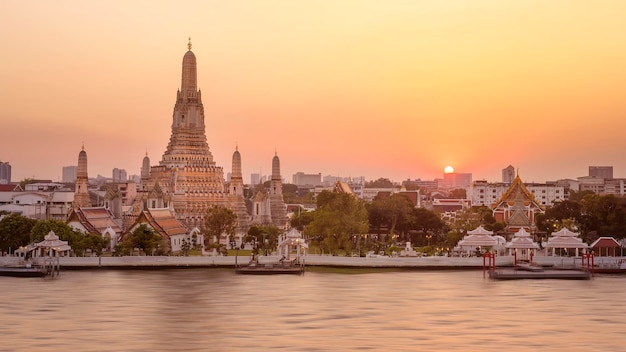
(236, 171)
(276, 167)
(81, 192)
(188, 86)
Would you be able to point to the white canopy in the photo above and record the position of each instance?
(480, 230)
(565, 232)
(565, 238)
(473, 241)
(51, 241)
(522, 240)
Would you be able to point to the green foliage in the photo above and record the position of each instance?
(301, 219)
(577, 196)
(94, 242)
(590, 214)
(26, 181)
(380, 183)
(393, 212)
(427, 221)
(263, 238)
(459, 193)
(61, 229)
(145, 239)
(15, 232)
(337, 219)
(218, 221)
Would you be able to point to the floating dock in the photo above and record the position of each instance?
(538, 273)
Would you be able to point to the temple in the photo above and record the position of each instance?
(517, 208)
(187, 180)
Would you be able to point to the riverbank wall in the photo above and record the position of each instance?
(417, 263)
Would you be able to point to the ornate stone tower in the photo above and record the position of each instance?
(277, 203)
(268, 206)
(236, 200)
(187, 180)
(145, 168)
(81, 193)
(236, 178)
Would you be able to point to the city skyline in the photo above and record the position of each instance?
(354, 88)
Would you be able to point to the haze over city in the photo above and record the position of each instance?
(396, 89)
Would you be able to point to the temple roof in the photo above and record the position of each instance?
(517, 193)
(95, 219)
(605, 242)
(162, 221)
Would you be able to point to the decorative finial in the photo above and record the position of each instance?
(189, 44)
(236, 147)
(83, 146)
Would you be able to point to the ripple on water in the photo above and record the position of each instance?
(214, 309)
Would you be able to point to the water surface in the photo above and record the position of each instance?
(217, 310)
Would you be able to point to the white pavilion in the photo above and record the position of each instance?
(566, 239)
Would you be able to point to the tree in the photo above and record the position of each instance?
(301, 219)
(458, 193)
(218, 221)
(602, 216)
(380, 183)
(145, 239)
(89, 241)
(61, 229)
(426, 223)
(264, 238)
(26, 181)
(577, 196)
(338, 217)
(15, 232)
(393, 212)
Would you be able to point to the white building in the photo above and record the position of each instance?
(38, 205)
(302, 179)
(482, 193)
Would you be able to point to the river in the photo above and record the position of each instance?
(322, 310)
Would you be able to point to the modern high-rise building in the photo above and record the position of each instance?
(255, 179)
(454, 180)
(69, 174)
(119, 175)
(302, 179)
(605, 172)
(5, 172)
(508, 174)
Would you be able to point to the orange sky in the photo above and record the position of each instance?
(395, 89)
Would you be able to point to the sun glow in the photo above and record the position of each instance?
(448, 170)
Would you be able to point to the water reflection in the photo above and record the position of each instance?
(214, 309)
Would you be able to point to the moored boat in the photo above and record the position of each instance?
(23, 271)
(281, 267)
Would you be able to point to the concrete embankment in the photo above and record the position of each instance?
(435, 263)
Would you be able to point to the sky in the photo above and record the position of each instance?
(395, 89)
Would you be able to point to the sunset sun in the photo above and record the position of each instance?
(448, 169)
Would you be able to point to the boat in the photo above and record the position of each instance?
(283, 266)
(521, 274)
(528, 270)
(23, 271)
